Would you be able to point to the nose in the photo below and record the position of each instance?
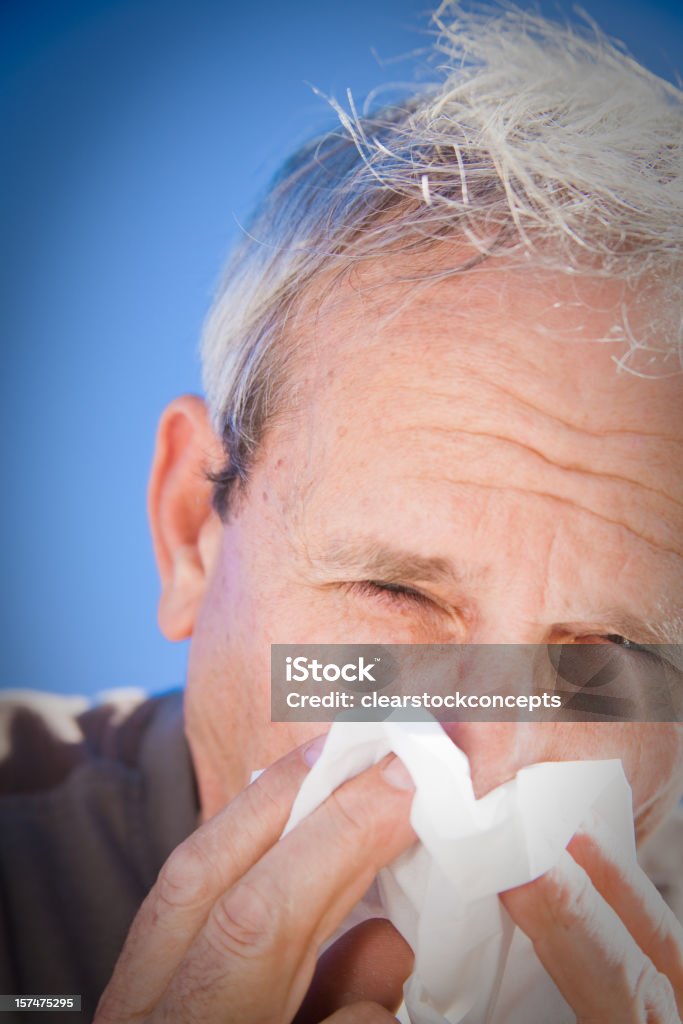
(498, 747)
(497, 750)
(507, 624)
(511, 602)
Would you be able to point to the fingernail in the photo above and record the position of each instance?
(313, 750)
(397, 775)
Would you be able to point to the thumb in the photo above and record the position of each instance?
(370, 963)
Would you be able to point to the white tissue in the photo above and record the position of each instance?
(442, 893)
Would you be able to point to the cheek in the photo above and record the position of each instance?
(652, 754)
(654, 766)
(249, 603)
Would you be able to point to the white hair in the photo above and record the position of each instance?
(541, 143)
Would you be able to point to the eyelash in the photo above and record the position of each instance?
(622, 641)
(395, 594)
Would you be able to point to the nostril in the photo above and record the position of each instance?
(495, 751)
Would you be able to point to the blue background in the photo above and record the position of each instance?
(135, 137)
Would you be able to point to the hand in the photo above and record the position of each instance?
(605, 935)
(232, 928)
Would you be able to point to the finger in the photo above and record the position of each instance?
(198, 871)
(255, 957)
(587, 950)
(631, 894)
(361, 1013)
(370, 963)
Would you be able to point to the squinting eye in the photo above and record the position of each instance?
(617, 640)
(621, 641)
(390, 593)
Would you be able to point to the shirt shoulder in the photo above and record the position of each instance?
(92, 801)
(45, 737)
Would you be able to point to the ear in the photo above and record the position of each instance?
(185, 529)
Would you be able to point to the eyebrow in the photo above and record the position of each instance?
(373, 560)
(382, 562)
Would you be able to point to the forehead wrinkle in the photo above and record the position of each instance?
(556, 463)
(523, 423)
(611, 493)
(645, 462)
(657, 547)
(588, 402)
(553, 418)
(600, 433)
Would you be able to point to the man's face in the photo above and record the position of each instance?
(461, 463)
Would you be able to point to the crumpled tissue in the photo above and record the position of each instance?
(441, 894)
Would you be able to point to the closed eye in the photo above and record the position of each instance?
(616, 639)
(399, 596)
(390, 593)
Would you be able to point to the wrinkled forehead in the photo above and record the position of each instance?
(603, 355)
(463, 413)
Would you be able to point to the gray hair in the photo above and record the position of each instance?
(537, 142)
